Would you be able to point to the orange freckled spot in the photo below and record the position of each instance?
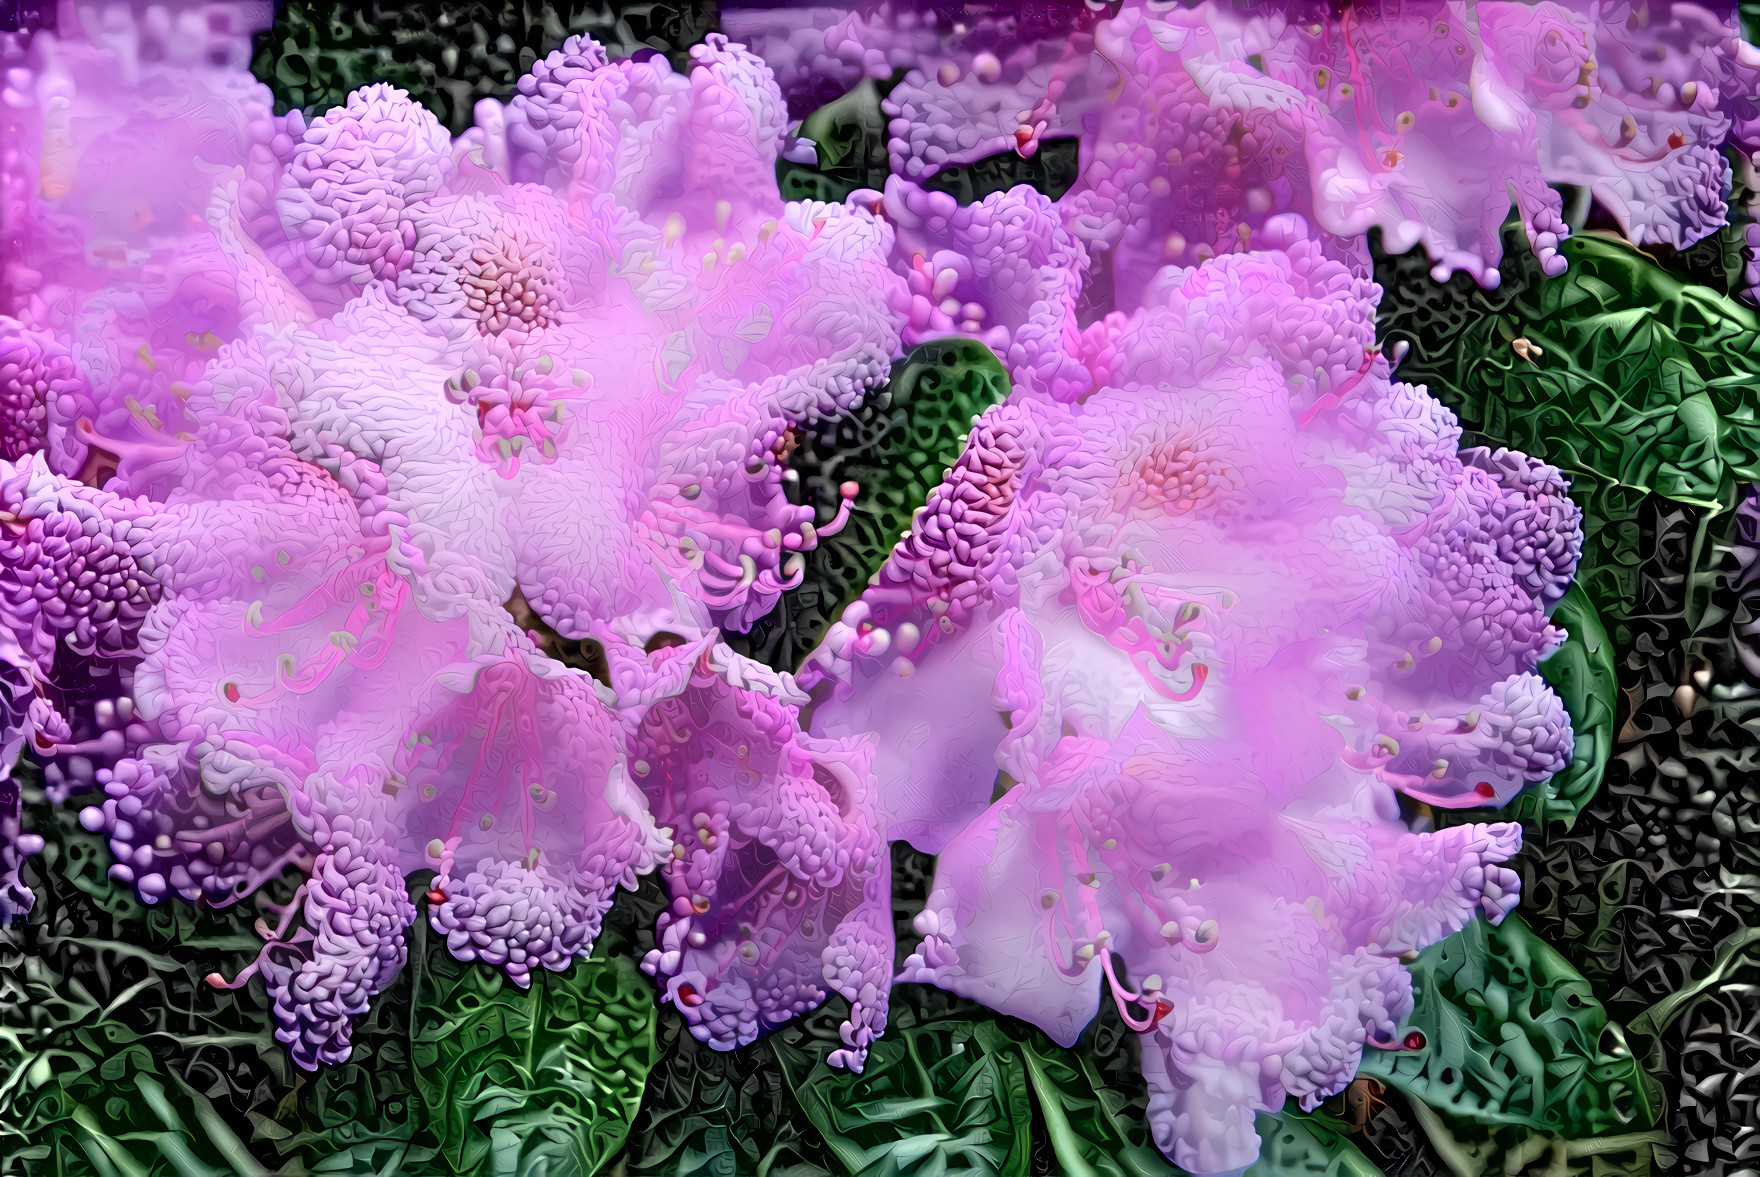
(1175, 473)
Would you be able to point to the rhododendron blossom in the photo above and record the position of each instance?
(1203, 696)
(374, 501)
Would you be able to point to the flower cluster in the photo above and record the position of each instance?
(258, 573)
(1212, 621)
(323, 437)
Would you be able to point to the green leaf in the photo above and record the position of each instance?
(940, 1096)
(117, 1057)
(1643, 384)
(450, 53)
(947, 1066)
(96, 998)
(1293, 1143)
(1514, 1035)
(1583, 673)
(1052, 170)
(544, 1080)
(1092, 1130)
(849, 134)
(851, 131)
(1467, 1148)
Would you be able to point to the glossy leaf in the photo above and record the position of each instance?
(1514, 1035)
(1642, 383)
(944, 1097)
(119, 1057)
(954, 1089)
(1583, 673)
(1467, 1148)
(529, 1081)
(1641, 380)
(1295, 1144)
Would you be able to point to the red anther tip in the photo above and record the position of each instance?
(1484, 789)
(232, 692)
(436, 896)
(689, 996)
(1415, 1040)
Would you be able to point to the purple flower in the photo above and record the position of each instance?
(1200, 626)
(327, 439)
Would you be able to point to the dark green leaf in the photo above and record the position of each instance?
(1514, 1035)
(1296, 1144)
(1643, 383)
(544, 1080)
(941, 1096)
(1583, 673)
(102, 997)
